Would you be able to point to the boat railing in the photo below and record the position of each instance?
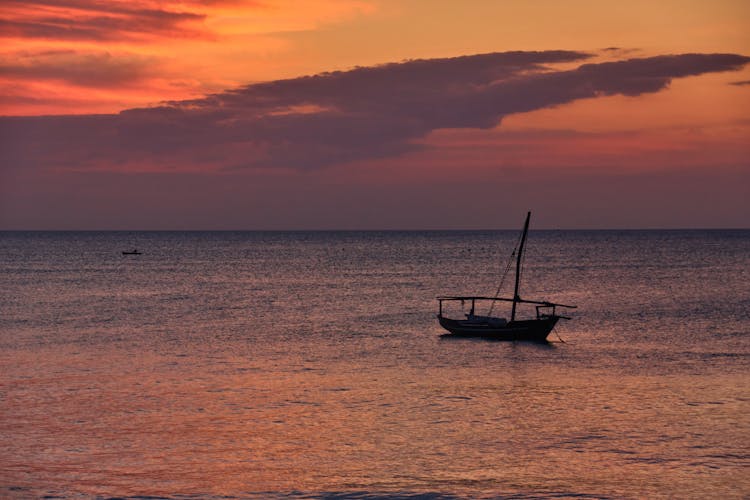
(504, 299)
(540, 304)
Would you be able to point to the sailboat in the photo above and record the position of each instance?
(492, 327)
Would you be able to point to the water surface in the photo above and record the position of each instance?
(310, 364)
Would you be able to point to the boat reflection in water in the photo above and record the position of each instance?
(498, 328)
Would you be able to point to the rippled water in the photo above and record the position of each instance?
(310, 364)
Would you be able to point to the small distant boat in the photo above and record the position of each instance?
(497, 328)
(133, 252)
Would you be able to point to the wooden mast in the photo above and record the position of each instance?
(516, 298)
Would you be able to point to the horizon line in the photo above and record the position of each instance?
(345, 230)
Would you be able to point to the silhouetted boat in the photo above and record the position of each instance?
(498, 328)
(134, 252)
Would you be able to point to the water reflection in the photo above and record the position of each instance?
(548, 344)
(261, 364)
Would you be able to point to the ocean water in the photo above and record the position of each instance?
(311, 365)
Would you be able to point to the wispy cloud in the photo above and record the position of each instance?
(78, 68)
(99, 21)
(334, 118)
(172, 49)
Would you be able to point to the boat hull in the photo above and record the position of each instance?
(532, 329)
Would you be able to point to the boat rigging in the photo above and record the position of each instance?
(499, 328)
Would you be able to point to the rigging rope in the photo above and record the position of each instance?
(505, 274)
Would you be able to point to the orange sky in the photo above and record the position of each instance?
(85, 56)
(65, 57)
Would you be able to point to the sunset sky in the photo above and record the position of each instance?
(374, 114)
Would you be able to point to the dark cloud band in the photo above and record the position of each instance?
(365, 113)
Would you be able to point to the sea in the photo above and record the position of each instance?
(310, 365)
